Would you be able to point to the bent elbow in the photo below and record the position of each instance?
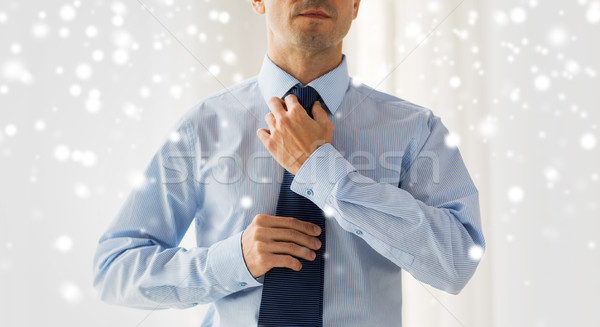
(105, 290)
(455, 287)
(101, 287)
(463, 272)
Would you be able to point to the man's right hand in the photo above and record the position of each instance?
(272, 241)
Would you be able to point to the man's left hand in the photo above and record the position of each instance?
(292, 135)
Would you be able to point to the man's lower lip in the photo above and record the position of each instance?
(315, 16)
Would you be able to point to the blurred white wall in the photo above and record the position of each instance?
(88, 90)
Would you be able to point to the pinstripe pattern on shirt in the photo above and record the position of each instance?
(396, 197)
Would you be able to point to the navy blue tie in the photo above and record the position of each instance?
(295, 298)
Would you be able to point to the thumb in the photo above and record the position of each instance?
(318, 112)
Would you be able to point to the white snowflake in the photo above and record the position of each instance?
(67, 13)
(588, 141)
(518, 15)
(246, 202)
(475, 252)
(70, 292)
(63, 243)
(10, 130)
(593, 13)
(515, 194)
(62, 152)
(542, 83)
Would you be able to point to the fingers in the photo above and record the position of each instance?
(260, 256)
(321, 115)
(290, 235)
(285, 261)
(318, 112)
(291, 249)
(276, 105)
(270, 119)
(292, 104)
(265, 136)
(289, 222)
(273, 241)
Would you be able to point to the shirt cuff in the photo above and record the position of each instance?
(319, 174)
(227, 263)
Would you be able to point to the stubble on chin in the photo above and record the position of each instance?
(312, 37)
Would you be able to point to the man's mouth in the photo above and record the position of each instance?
(314, 13)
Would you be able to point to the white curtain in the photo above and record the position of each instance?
(515, 82)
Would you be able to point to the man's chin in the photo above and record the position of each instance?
(313, 31)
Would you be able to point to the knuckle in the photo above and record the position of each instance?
(308, 227)
(290, 248)
(261, 247)
(304, 251)
(291, 221)
(296, 110)
(268, 141)
(309, 242)
(259, 218)
(309, 254)
(290, 261)
(312, 241)
(259, 232)
(291, 234)
(261, 258)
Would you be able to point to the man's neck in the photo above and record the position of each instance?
(306, 65)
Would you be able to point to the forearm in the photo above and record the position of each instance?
(141, 274)
(138, 262)
(430, 242)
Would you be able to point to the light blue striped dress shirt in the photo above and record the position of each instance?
(395, 195)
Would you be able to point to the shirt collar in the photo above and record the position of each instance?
(275, 82)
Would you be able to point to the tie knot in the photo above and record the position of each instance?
(306, 96)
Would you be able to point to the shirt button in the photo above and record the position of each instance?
(309, 192)
(243, 284)
(358, 232)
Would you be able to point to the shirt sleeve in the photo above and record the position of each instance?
(138, 262)
(428, 224)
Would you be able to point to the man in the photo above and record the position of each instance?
(370, 175)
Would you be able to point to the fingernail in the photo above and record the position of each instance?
(317, 229)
